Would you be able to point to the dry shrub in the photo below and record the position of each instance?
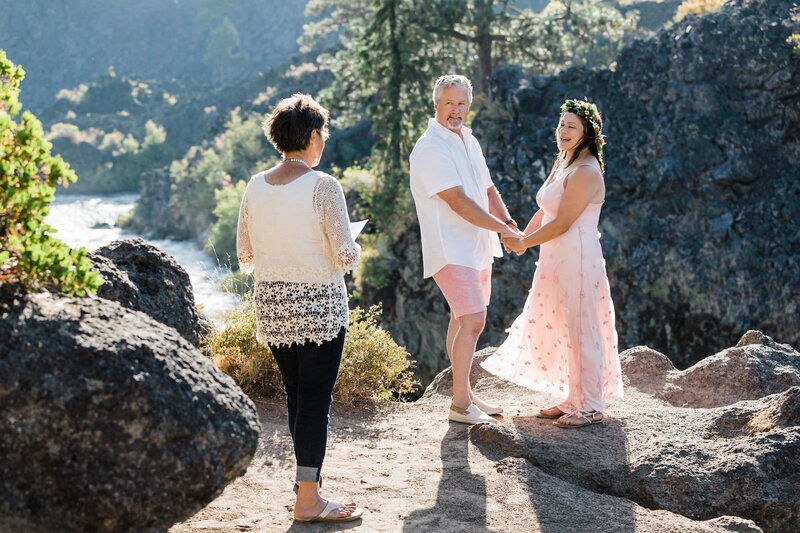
(235, 351)
(698, 7)
(794, 40)
(374, 366)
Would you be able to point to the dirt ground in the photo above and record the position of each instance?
(413, 471)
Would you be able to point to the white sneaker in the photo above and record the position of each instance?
(487, 408)
(471, 415)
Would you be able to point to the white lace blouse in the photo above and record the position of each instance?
(296, 239)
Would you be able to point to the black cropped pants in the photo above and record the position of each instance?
(309, 374)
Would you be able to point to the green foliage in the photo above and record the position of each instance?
(116, 161)
(28, 176)
(153, 134)
(374, 267)
(199, 180)
(373, 366)
(124, 172)
(222, 50)
(565, 34)
(235, 351)
(222, 238)
(73, 95)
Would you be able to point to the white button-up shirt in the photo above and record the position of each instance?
(440, 161)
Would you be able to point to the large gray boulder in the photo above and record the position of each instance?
(142, 277)
(721, 438)
(109, 420)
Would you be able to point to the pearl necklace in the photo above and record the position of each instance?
(296, 160)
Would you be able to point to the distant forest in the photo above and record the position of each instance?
(197, 43)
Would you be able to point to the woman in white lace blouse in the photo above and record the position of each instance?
(294, 234)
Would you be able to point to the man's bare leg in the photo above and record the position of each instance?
(462, 352)
(452, 329)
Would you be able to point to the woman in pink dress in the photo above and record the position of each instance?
(564, 342)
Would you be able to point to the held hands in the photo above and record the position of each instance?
(512, 240)
(514, 244)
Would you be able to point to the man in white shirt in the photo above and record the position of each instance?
(460, 214)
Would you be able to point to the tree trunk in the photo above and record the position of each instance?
(394, 89)
(483, 8)
(484, 62)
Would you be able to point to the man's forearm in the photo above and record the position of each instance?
(497, 207)
(470, 211)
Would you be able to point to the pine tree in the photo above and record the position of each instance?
(384, 71)
(29, 254)
(493, 31)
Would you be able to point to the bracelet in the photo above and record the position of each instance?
(510, 221)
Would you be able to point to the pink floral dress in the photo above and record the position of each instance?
(564, 342)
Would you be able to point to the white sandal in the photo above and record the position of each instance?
(330, 507)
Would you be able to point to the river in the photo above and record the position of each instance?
(90, 221)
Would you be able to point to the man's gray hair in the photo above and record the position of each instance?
(450, 80)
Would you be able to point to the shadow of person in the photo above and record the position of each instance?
(461, 495)
(319, 527)
(568, 474)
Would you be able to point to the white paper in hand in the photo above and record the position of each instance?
(356, 227)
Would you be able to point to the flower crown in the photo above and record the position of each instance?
(591, 114)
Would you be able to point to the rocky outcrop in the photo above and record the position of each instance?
(682, 441)
(564, 506)
(756, 367)
(699, 225)
(110, 420)
(142, 277)
(152, 214)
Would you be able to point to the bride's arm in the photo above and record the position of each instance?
(579, 192)
(535, 223)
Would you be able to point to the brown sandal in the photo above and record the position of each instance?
(585, 416)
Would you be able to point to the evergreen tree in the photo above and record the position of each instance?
(384, 71)
(28, 176)
(563, 34)
(223, 50)
(390, 51)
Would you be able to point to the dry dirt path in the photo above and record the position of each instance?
(413, 471)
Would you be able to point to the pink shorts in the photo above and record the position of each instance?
(466, 290)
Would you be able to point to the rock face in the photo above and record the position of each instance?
(699, 225)
(141, 277)
(152, 214)
(680, 441)
(109, 420)
(756, 367)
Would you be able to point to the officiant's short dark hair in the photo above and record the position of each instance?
(290, 124)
